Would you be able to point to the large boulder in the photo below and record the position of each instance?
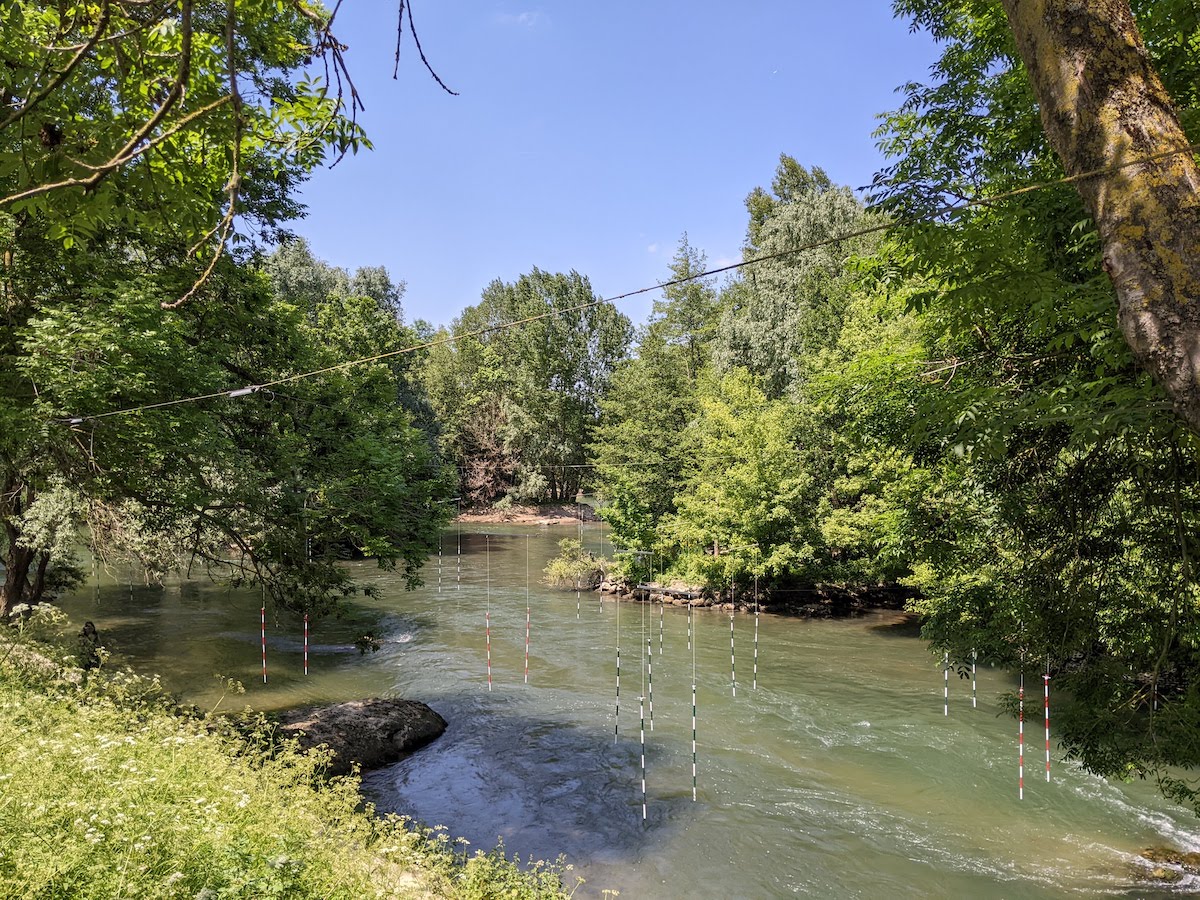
(373, 732)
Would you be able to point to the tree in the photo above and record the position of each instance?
(184, 120)
(527, 398)
(1062, 517)
(786, 309)
(1105, 110)
(292, 478)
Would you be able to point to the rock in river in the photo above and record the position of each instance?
(373, 732)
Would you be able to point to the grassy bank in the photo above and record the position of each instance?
(108, 789)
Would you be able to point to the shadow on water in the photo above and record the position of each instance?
(546, 786)
(905, 625)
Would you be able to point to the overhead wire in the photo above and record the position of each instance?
(930, 218)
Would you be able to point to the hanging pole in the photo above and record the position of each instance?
(262, 630)
(693, 649)
(487, 543)
(458, 555)
(306, 643)
(650, 680)
(974, 659)
(646, 657)
(1021, 735)
(642, 714)
(662, 617)
(1046, 687)
(527, 609)
(755, 685)
(946, 688)
(732, 657)
(617, 713)
(439, 562)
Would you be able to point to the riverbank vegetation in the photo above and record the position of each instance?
(111, 790)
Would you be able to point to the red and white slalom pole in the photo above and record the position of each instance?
(263, 632)
(692, 647)
(617, 711)
(527, 609)
(946, 688)
(755, 683)
(306, 643)
(650, 680)
(1021, 737)
(487, 541)
(1046, 686)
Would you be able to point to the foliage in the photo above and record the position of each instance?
(182, 120)
(785, 309)
(150, 801)
(575, 567)
(1061, 525)
(294, 478)
(518, 405)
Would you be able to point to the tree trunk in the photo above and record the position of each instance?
(1103, 105)
(16, 579)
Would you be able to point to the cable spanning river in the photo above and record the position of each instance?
(838, 777)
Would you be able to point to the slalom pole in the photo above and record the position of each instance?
(642, 714)
(262, 630)
(732, 658)
(527, 609)
(1021, 735)
(689, 624)
(650, 680)
(755, 687)
(617, 712)
(662, 616)
(439, 562)
(487, 543)
(1046, 687)
(974, 659)
(458, 555)
(946, 689)
(642, 707)
(306, 643)
(693, 649)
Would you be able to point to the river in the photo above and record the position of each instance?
(838, 776)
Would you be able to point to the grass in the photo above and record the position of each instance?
(108, 789)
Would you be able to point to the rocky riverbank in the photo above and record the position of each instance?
(550, 514)
(816, 601)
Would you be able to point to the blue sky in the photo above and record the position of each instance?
(591, 136)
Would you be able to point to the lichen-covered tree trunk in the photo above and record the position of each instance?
(1103, 106)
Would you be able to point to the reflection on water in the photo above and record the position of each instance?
(838, 777)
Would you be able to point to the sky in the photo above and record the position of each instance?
(591, 136)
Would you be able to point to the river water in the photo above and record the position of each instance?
(839, 776)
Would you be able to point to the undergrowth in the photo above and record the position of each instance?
(108, 789)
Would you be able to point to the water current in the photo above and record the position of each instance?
(838, 776)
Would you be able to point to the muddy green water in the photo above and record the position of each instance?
(838, 777)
